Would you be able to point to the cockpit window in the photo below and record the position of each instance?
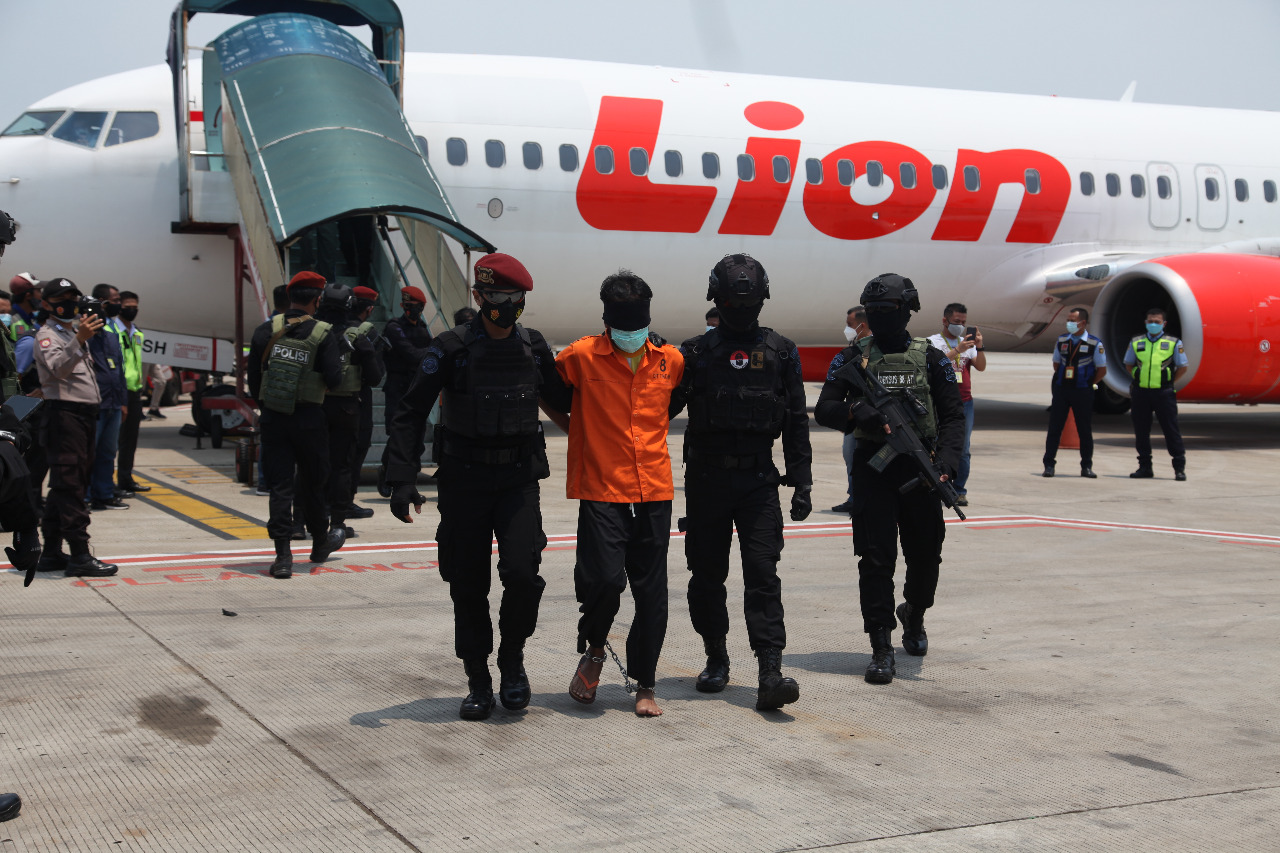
(34, 123)
(81, 128)
(130, 127)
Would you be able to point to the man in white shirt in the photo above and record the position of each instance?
(964, 347)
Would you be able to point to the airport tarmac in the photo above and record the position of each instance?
(1103, 673)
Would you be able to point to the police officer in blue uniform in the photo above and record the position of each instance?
(293, 360)
(881, 512)
(1156, 361)
(743, 386)
(1079, 364)
(492, 454)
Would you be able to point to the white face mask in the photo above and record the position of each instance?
(956, 331)
(850, 335)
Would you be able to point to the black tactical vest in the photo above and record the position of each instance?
(734, 385)
(494, 393)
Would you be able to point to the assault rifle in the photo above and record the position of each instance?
(902, 440)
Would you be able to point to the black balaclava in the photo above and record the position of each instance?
(739, 320)
(890, 329)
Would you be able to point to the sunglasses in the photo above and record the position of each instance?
(498, 297)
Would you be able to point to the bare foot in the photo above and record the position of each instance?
(646, 704)
(587, 678)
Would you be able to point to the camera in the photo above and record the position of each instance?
(91, 307)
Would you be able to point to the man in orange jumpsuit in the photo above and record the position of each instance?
(620, 470)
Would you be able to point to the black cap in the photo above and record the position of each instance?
(890, 288)
(55, 286)
(737, 275)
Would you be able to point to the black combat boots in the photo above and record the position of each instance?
(776, 689)
(323, 546)
(716, 675)
(1144, 471)
(478, 704)
(513, 689)
(914, 640)
(881, 669)
(283, 566)
(1179, 468)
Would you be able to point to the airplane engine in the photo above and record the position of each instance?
(1224, 307)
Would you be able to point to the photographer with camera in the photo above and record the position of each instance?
(963, 345)
(71, 394)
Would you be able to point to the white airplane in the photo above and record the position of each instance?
(1021, 207)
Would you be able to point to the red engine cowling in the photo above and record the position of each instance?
(1224, 307)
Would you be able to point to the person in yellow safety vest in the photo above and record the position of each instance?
(1155, 362)
(134, 380)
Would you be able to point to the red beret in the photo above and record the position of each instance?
(501, 270)
(413, 294)
(365, 293)
(308, 278)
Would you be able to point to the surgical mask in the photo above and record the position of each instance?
(1072, 327)
(111, 309)
(709, 328)
(64, 310)
(1155, 328)
(850, 335)
(7, 319)
(956, 331)
(629, 341)
(129, 314)
(501, 314)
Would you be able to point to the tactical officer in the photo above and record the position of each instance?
(409, 338)
(1079, 364)
(880, 508)
(743, 387)
(293, 360)
(365, 299)
(1156, 361)
(71, 394)
(491, 454)
(342, 404)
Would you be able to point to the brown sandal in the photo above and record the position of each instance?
(589, 693)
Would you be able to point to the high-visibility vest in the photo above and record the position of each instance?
(1155, 361)
(131, 346)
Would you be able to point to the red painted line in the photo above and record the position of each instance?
(1030, 524)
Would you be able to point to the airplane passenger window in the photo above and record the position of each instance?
(844, 172)
(1164, 187)
(422, 145)
(1242, 189)
(455, 151)
(1211, 189)
(746, 167)
(532, 152)
(781, 169)
(1138, 186)
(639, 161)
(569, 158)
(875, 173)
(813, 171)
(132, 126)
(495, 153)
(1113, 184)
(939, 177)
(1269, 191)
(710, 166)
(34, 123)
(604, 159)
(1031, 178)
(674, 163)
(1086, 183)
(907, 175)
(971, 179)
(81, 128)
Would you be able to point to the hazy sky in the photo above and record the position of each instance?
(1222, 53)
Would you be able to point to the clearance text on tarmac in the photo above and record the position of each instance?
(623, 201)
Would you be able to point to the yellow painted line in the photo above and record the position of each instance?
(224, 523)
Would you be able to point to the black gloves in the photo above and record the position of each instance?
(25, 553)
(656, 339)
(867, 417)
(364, 349)
(401, 497)
(801, 503)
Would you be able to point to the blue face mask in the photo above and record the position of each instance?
(629, 341)
(7, 319)
(1072, 327)
(1155, 328)
(709, 328)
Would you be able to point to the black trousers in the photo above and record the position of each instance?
(69, 442)
(299, 441)
(128, 446)
(618, 543)
(17, 507)
(37, 454)
(1163, 403)
(342, 418)
(364, 440)
(469, 521)
(1079, 401)
(717, 501)
(880, 516)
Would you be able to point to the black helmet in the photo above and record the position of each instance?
(737, 275)
(889, 288)
(336, 296)
(8, 230)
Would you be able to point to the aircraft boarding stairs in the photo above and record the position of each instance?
(303, 125)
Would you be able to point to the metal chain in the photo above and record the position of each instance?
(622, 669)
